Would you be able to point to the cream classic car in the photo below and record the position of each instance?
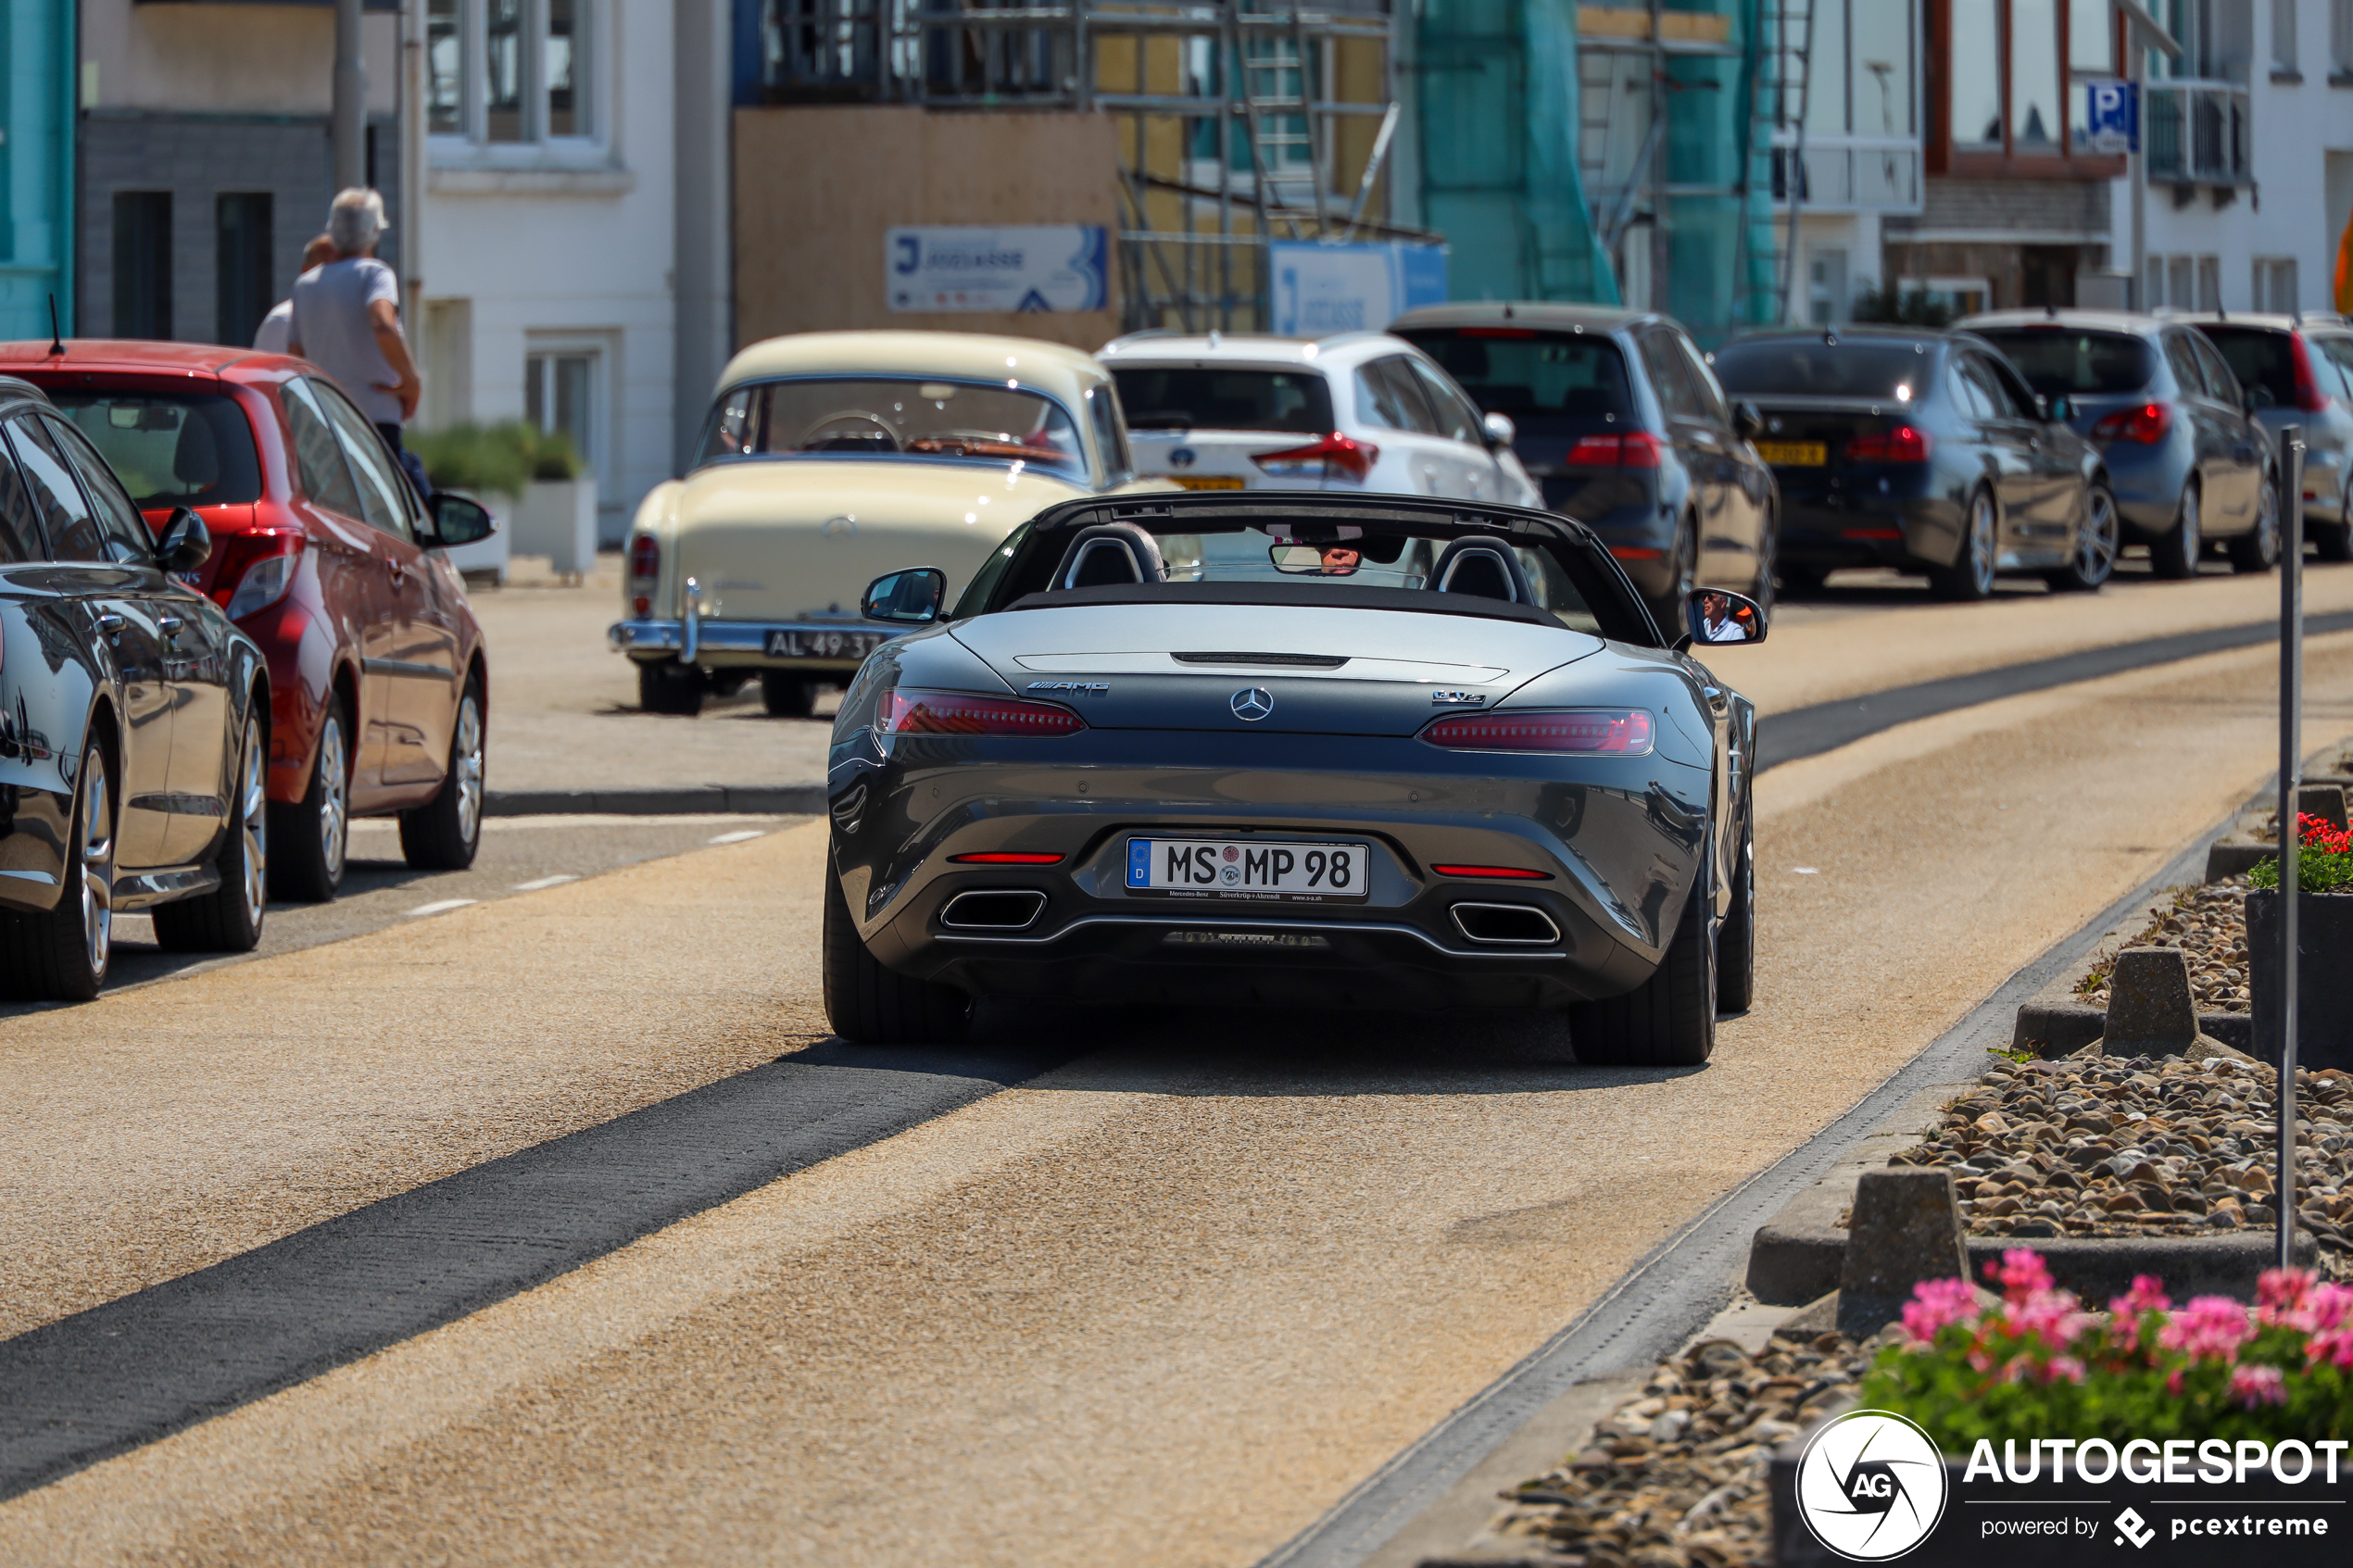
(829, 459)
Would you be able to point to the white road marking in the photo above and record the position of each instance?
(740, 835)
(1806, 870)
(439, 906)
(534, 886)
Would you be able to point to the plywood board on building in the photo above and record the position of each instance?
(818, 187)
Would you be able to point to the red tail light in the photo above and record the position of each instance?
(2145, 426)
(2309, 396)
(968, 713)
(1905, 444)
(645, 557)
(1635, 449)
(1596, 731)
(1499, 873)
(1335, 454)
(1005, 858)
(252, 572)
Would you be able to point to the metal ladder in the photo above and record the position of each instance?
(1279, 105)
(1782, 90)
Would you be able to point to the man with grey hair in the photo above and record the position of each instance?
(347, 320)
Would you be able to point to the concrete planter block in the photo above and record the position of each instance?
(1907, 1228)
(2323, 801)
(484, 561)
(2149, 1010)
(2324, 1002)
(557, 519)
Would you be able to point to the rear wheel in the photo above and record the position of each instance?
(444, 833)
(2096, 543)
(227, 919)
(62, 953)
(2334, 541)
(2257, 550)
(873, 1005)
(1667, 1020)
(311, 834)
(1972, 574)
(1769, 543)
(1799, 578)
(1736, 938)
(787, 696)
(664, 685)
(2173, 555)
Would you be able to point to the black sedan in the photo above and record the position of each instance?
(1921, 450)
(134, 722)
(1295, 749)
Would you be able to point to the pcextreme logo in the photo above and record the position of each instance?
(1870, 1485)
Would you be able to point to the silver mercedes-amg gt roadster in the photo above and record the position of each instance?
(1295, 749)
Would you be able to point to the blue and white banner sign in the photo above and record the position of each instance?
(1321, 289)
(1047, 267)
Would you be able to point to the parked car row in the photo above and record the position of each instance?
(225, 630)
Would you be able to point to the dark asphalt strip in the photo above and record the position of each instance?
(1826, 726)
(143, 1366)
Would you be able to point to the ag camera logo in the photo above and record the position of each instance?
(1870, 1485)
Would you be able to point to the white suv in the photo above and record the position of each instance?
(1362, 411)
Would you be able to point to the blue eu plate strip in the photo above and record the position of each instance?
(1139, 862)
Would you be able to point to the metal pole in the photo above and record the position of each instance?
(2291, 712)
(351, 102)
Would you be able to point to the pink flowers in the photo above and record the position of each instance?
(1935, 1303)
(2252, 1386)
(2147, 1295)
(2209, 1327)
(2021, 1273)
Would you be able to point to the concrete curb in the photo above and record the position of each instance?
(693, 800)
(2067, 1027)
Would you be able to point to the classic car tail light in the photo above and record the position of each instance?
(645, 557)
(915, 712)
(1594, 732)
(1635, 449)
(1005, 858)
(1499, 873)
(255, 573)
(2144, 426)
(1905, 444)
(1335, 454)
(2309, 396)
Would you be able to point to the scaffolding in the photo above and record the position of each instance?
(1240, 124)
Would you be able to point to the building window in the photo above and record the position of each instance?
(2091, 37)
(2275, 283)
(559, 392)
(143, 264)
(2209, 283)
(2037, 107)
(509, 72)
(244, 281)
(2011, 68)
(1977, 81)
(2179, 277)
(2283, 37)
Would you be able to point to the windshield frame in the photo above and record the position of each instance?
(1095, 467)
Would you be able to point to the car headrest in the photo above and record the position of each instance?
(1109, 555)
(195, 456)
(1483, 567)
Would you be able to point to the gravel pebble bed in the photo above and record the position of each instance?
(1676, 1476)
(2105, 1146)
(2209, 925)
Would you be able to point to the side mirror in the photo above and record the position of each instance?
(456, 520)
(912, 597)
(187, 543)
(1499, 431)
(1747, 423)
(2259, 397)
(1718, 615)
(2059, 410)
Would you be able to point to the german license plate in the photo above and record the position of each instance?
(1793, 454)
(1207, 481)
(784, 644)
(1209, 868)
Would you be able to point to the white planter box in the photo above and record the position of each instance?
(557, 519)
(484, 561)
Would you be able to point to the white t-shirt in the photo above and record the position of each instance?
(331, 322)
(271, 338)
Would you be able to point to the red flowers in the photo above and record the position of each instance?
(2319, 833)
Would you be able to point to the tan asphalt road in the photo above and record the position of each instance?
(1161, 1305)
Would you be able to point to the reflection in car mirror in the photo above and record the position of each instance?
(1747, 423)
(2259, 397)
(456, 519)
(912, 597)
(185, 544)
(1500, 432)
(1718, 615)
(2059, 410)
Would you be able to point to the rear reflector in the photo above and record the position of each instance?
(1005, 858)
(1594, 732)
(1902, 444)
(969, 714)
(1503, 873)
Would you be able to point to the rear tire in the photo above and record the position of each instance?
(2097, 544)
(2257, 550)
(312, 835)
(2174, 554)
(1669, 1020)
(1768, 546)
(227, 919)
(787, 696)
(2334, 541)
(62, 954)
(873, 1004)
(444, 833)
(1799, 578)
(1971, 577)
(1736, 938)
(664, 685)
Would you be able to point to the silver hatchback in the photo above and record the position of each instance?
(2298, 370)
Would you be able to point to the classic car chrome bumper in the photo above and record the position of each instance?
(779, 643)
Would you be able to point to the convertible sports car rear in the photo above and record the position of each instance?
(1292, 750)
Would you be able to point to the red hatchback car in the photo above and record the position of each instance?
(322, 553)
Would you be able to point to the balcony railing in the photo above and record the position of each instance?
(2198, 133)
(1848, 173)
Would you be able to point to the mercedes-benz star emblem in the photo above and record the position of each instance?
(1252, 704)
